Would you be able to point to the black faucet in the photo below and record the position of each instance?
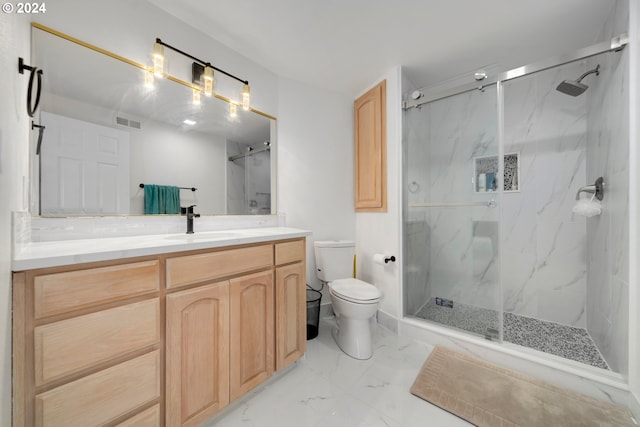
(190, 215)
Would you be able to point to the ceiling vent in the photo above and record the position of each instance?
(128, 123)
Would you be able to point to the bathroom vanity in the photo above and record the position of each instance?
(154, 334)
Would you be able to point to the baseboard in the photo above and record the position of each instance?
(388, 321)
(326, 310)
(634, 406)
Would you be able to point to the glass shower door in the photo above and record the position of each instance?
(452, 187)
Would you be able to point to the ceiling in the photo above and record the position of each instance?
(347, 45)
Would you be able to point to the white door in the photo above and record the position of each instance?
(84, 168)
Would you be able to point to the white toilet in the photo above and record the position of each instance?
(354, 301)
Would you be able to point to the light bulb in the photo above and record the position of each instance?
(208, 80)
(233, 110)
(196, 97)
(246, 96)
(148, 78)
(158, 59)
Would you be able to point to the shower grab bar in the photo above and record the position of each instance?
(490, 204)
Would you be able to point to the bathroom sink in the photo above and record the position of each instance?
(211, 235)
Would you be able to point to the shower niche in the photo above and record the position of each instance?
(485, 173)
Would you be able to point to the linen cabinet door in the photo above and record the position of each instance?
(252, 331)
(197, 351)
(371, 150)
(291, 314)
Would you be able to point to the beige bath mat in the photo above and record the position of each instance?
(487, 395)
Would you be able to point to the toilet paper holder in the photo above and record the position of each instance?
(389, 259)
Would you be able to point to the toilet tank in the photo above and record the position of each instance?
(334, 259)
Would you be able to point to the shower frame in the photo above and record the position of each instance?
(439, 334)
(614, 45)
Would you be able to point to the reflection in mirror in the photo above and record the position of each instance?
(107, 133)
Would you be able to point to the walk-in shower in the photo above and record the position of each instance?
(491, 244)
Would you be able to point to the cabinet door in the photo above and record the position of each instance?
(197, 354)
(370, 150)
(291, 314)
(252, 335)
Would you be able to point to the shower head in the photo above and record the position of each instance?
(574, 87)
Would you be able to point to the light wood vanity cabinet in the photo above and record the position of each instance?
(197, 346)
(86, 344)
(290, 302)
(168, 340)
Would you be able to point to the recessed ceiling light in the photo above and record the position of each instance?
(189, 122)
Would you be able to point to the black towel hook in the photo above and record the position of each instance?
(40, 133)
(31, 110)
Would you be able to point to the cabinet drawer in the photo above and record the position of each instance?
(190, 269)
(74, 344)
(147, 418)
(60, 292)
(103, 396)
(290, 252)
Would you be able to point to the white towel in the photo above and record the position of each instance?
(587, 208)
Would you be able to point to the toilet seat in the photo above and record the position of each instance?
(355, 290)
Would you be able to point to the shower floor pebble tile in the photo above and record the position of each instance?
(553, 338)
(328, 388)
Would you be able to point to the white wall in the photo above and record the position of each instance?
(315, 165)
(380, 232)
(634, 208)
(164, 156)
(14, 173)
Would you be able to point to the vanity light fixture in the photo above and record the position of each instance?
(246, 96)
(204, 78)
(233, 110)
(195, 98)
(148, 78)
(207, 76)
(158, 59)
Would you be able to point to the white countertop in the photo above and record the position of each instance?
(66, 252)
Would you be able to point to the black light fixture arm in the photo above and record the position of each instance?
(206, 64)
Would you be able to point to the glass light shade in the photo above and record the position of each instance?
(196, 97)
(208, 81)
(246, 97)
(158, 59)
(233, 110)
(148, 78)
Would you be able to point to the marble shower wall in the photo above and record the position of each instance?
(608, 156)
(544, 252)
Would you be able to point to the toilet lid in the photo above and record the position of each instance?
(355, 290)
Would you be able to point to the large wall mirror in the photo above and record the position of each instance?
(107, 133)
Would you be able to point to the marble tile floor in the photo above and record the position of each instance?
(328, 388)
(561, 340)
